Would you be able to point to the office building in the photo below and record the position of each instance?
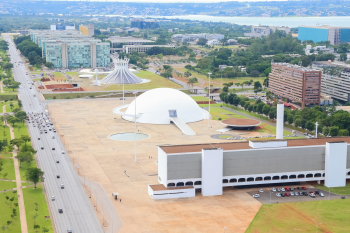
(193, 37)
(335, 35)
(318, 48)
(142, 48)
(62, 27)
(129, 40)
(335, 81)
(259, 31)
(68, 49)
(144, 23)
(295, 83)
(87, 30)
(210, 167)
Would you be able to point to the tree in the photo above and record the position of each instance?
(24, 157)
(5, 175)
(273, 112)
(34, 174)
(3, 228)
(303, 123)
(25, 138)
(333, 131)
(11, 200)
(36, 227)
(325, 131)
(49, 65)
(202, 41)
(21, 115)
(3, 143)
(290, 119)
(297, 122)
(257, 87)
(343, 132)
(187, 74)
(45, 230)
(343, 57)
(13, 120)
(254, 73)
(266, 109)
(310, 126)
(14, 85)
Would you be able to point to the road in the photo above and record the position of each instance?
(78, 213)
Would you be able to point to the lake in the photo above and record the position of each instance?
(339, 21)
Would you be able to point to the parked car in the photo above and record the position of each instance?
(312, 195)
(42, 148)
(287, 189)
(60, 211)
(296, 194)
(283, 194)
(321, 194)
(62, 152)
(283, 190)
(303, 188)
(305, 193)
(278, 190)
(261, 191)
(273, 190)
(53, 148)
(278, 195)
(57, 161)
(317, 192)
(291, 189)
(292, 193)
(58, 176)
(256, 195)
(287, 194)
(69, 231)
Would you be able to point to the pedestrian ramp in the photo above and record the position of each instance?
(224, 130)
(182, 126)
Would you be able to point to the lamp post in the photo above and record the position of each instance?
(316, 129)
(135, 129)
(316, 224)
(123, 90)
(209, 100)
(329, 193)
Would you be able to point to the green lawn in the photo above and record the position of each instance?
(6, 185)
(58, 75)
(200, 98)
(20, 129)
(8, 90)
(156, 82)
(331, 216)
(24, 168)
(337, 190)
(217, 112)
(6, 154)
(32, 196)
(6, 211)
(272, 130)
(8, 107)
(5, 134)
(9, 168)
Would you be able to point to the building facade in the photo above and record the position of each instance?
(335, 35)
(87, 30)
(296, 83)
(142, 48)
(210, 167)
(193, 37)
(144, 23)
(259, 31)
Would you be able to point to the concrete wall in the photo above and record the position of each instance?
(168, 194)
(212, 166)
(335, 166)
(162, 167)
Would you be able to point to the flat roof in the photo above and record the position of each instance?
(161, 187)
(173, 149)
(129, 40)
(241, 122)
(322, 27)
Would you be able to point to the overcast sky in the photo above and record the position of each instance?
(172, 1)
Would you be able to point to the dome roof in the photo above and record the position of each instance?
(155, 107)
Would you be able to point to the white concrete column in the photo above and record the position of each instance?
(279, 121)
(335, 164)
(212, 171)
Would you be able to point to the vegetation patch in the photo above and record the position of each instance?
(9, 214)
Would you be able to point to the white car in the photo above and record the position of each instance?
(273, 190)
(321, 194)
(292, 193)
(256, 195)
(283, 190)
(53, 198)
(62, 152)
(261, 191)
(278, 195)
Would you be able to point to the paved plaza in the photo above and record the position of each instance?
(85, 127)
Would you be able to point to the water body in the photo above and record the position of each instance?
(339, 21)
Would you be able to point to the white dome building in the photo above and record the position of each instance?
(164, 106)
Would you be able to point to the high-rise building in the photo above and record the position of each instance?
(87, 30)
(295, 83)
(335, 35)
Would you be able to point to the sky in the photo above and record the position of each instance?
(171, 1)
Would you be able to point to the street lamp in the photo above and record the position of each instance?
(135, 128)
(225, 229)
(316, 129)
(316, 225)
(209, 100)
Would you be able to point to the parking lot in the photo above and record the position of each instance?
(265, 195)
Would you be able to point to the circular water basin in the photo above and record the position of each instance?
(129, 136)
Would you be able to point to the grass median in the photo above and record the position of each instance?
(7, 208)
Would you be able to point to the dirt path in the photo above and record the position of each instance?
(2, 90)
(22, 213)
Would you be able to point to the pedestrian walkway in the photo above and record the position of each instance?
(2, 90)
(22, 213)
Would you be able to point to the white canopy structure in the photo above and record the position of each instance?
(164, 106)
(121, 73)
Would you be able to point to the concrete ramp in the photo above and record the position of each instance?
(182, 126)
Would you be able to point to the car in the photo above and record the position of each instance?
(301, 193)
(42, 148)
(57, 161)
(60, 211)
(299, 188)
(283, 190)
(62, 186)
(317, 192)
(321, 194)
(54, 131)
(292, 193)
(53, 148)
(261, 191)
(53, 198)
(45, 131)
(41, 132)
(69, 231)
(273, 190)
(305, 193)
(312, 195)
(303, 188)
(63, 152)
(287, 194)
(256, 195)
(296, 194)
(287, 189)
(291, 189)
(278, 195)
(53, 137)
(283, 194)
(278, 190)
(58, 176)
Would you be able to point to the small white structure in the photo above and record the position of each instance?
(159, 191)
(164, 106)
(96, 82)
(279, 121)
(335, 164)
(213, 42)
(212, 171)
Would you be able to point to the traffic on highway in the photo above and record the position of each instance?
(70, 207)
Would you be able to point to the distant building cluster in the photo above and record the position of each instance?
(144, 23)
(71, 48)
(126, 29)
(60, 26)
(259, 31)
(193, 37)
(87, 30)
(335, 35)
(310, 50)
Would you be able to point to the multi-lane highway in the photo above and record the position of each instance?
(78, 213)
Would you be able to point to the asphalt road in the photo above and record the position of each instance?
(78, 213)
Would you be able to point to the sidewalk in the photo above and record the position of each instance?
(22, 213)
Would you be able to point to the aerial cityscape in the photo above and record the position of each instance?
(160, 117)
